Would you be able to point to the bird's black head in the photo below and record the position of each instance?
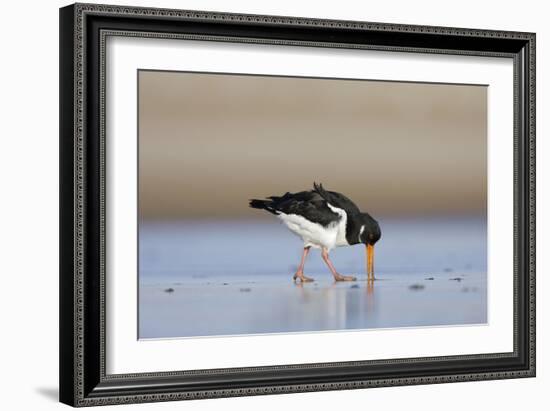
(370, 230)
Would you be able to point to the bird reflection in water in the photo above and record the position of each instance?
(335, 303)
(370, 295)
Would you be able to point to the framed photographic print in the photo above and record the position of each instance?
(262, 204)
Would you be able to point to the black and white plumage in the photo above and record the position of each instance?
(324, 219)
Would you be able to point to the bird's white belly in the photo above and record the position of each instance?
(341, 232)
(313, 234)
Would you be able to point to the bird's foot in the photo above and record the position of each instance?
(340, 277)
(300, 276)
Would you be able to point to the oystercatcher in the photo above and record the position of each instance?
(324, 219)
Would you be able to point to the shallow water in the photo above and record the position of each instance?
(234, 277)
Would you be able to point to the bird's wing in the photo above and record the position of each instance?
(307, 204)
(336, 199)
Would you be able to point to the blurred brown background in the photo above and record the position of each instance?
(209, 142)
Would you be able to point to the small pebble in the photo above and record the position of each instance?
(429, 278)
(169, 290)
(456, 279)
(245, 290)
(355, 286)
(416, 287)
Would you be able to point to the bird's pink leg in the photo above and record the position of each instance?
(337, 276)
(300, 273)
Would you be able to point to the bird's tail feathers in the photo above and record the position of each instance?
(262, 205)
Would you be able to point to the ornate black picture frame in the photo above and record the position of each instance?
(83, 30)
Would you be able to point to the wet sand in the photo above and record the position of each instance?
(246, 306)
(190, 286)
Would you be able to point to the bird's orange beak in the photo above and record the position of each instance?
(370, 261)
